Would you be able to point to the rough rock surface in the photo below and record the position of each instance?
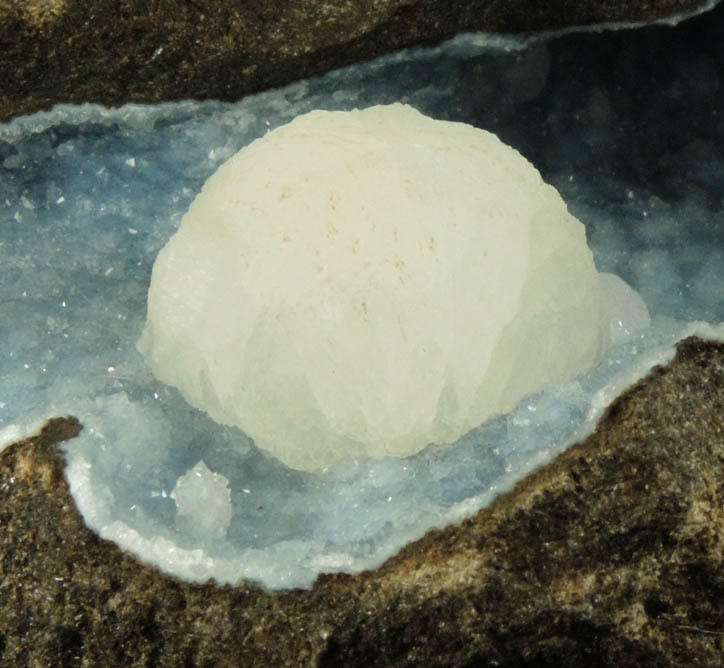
(114, 52)
(609, 556)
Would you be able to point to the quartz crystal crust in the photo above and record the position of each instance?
(335, 266)
(89, 196)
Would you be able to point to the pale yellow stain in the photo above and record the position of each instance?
(41, 13)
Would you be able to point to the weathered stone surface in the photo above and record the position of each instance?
(114, 52)
(609, 556)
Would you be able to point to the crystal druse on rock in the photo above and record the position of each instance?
(332, 268)
(174, 50)
(609, 555)
(613, 548)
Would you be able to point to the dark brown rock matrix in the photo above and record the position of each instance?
(609, 556)
(112, 52)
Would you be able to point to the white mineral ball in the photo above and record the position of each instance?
(364, 283)
(203, 503)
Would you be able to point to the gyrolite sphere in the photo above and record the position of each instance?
(365, 283)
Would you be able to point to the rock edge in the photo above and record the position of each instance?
(611, 555)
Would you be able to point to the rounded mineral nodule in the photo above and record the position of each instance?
(365, 283)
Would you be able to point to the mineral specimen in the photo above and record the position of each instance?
(365, 283)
